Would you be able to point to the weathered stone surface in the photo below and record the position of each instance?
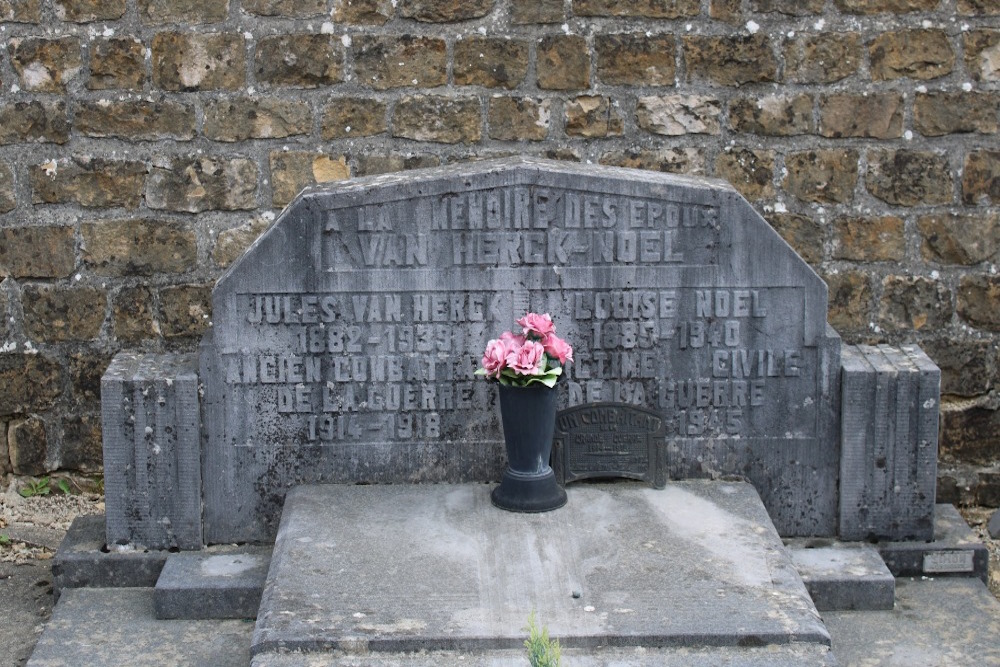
(444, 11)
(593, 116)
(56, 314)
(85, 11)
(493, 62)
(37, 252)
(135, 119)
(5, 468)
(940, 113)
(353, 117)
(85, 369)
(774, 116)
(33, 121)
(285, 8)
(850, 300)
(8, 196)
(917, 54)
(88, 182)
(45, 65)
(519, 118)
(675, 115)
(293, 170)
(159, 12)
(27, 444)
(750, 171)
(981, 177)
(212, 585)
(448, 120)
(242, 118)
(951, 238)
(730, 60)
(801, 232)
(914, 303)
(653, 9)
(383, 62)
(730, 11)
(982, 54)
(231, 243)
(869, 239)
(185, 309)
(968, 368)
(117, 63)
(371, 165)
(790, 7)
(822, 58)
(845, 579)
(199, 61)
(299, 61)
(978, 8)
(970, 434)
(879, 116)
(81, 443)
(979, 301)
(202, 184)
(4, 328)
(152, 474)
(132, 315)
(909, 178)
(28, 383)
(21, 11)
(635, 59)
(563, 62)
(670, 160)
(138, 247)
(885, 6)
(523, 12)
(438, 213)
(822, 176)
(363, 12)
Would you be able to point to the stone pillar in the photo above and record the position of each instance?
(152, 451)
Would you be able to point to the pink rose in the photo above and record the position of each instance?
(495, 357)
(539, 325)
(556, 347)
(527, 359)
(511, 340)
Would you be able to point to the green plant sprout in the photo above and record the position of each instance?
(4, 540)
(64, 487)
(40, 487)
(542, 651)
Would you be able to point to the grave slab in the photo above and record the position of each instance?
(994, 525)
(83, 560)
(435, 567)
(955, 551)
(108, 627)
(845, 578)
(212, 584)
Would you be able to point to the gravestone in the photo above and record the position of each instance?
(344, 341)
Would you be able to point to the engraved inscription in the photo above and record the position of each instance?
(940, 562)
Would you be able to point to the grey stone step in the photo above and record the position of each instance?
(845, 578)
(955, 550)
(110, 627)
(215, 583)
(435, 567)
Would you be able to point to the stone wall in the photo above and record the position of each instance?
(145, 143)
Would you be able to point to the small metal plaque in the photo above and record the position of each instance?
(601, 440)
(939, 562)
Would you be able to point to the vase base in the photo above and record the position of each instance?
(528, 493)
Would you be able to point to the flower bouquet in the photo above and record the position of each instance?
(527, 366)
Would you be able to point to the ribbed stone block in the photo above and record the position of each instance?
(889, 436)
(152, 452)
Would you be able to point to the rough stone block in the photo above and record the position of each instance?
(888, 469)
(58, 314)
(202, 183)
(492, 62)
(8, 196)
(909, 178)
(751, 171)
(28, 383)
(823, 57)
(777, 116)
(46, 65)
(954, 552)
(363, 12)
(21, 11)
(939, 113)
(84, 560)
(132, 313)
(653, 9)
(137, 120)
(215, 583)
(444, 11)
(679, 160)
(635, 59)
(88, 182)
(37, 252)
(979, 301)
(885, 6)
(85, 11)
(353, 117)
(152, 451)
(299, 61)
(523, 12)
(186, 310)
(982, 54)
(117, 63)
(34, 121)
(446, 120)
(593, 116)
(994, 525)
(383, 62)
(952, 238)
(138, 247)
(730, 60)
(563, 62)
(293, 170)
(519, 118)
(864, 239)
(878, 116)
(285, 8)
(159, 12)
(845, 579)
(822, 176)
(981, 178)
(27, 445)
(916, 54)
(914, 303)
(675, 115)
(184, 61)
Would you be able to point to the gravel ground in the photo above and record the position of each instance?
(31, 529)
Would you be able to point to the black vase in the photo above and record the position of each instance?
(529, 419)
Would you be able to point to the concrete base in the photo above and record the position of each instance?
(847, 578)
(431, 568)
(955, 551)
(994, 525)
(212, 584)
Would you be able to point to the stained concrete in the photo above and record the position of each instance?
(409, 568)
(845, 578)
(212, 584)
